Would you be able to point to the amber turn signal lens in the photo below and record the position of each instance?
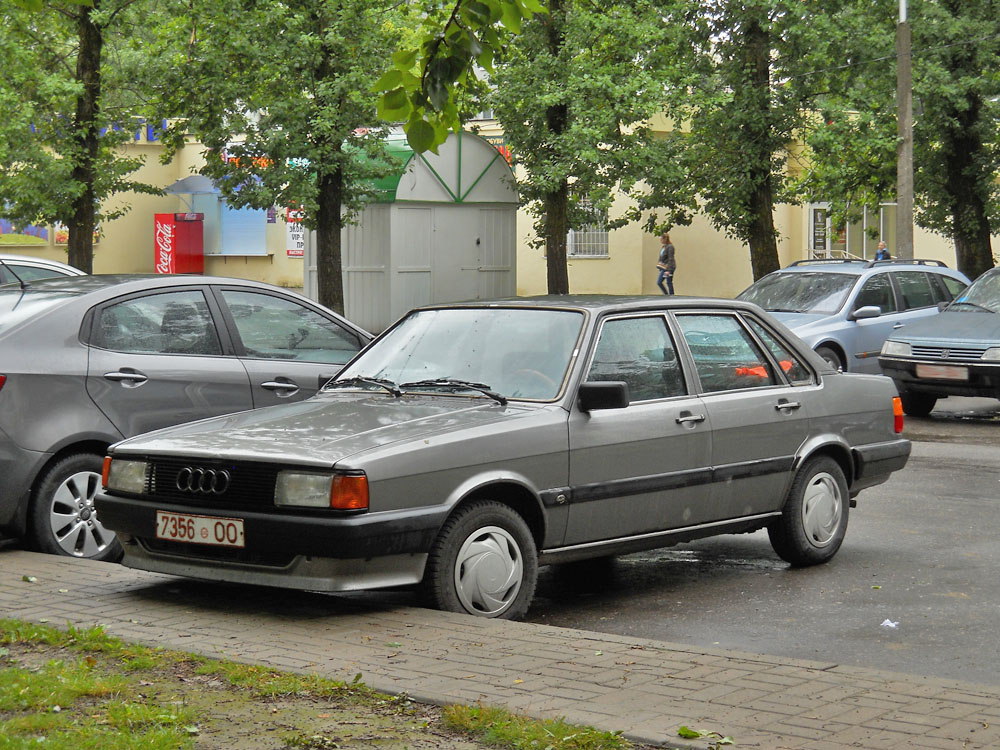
(105, 471)
(897, 414)
(349, 492)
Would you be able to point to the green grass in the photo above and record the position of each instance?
(494, 726)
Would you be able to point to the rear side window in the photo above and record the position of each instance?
(915, 287)
(953, 287)
(170, 323)
(796, 372)
(725, 354)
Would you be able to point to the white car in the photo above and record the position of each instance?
(27, 268)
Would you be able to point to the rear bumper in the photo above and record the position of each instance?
(18, 468)
(875, 463)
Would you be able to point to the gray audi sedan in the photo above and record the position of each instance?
(88, 360)
(470, 443)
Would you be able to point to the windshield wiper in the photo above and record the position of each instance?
(455, 383)
(971, 304)
(378, 382)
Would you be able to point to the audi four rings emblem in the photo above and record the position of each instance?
(203, 481)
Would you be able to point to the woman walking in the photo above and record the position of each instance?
(667, 265)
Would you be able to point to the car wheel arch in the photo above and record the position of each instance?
(836, 348)
(94, 446)
(835, 449)
(513, 494)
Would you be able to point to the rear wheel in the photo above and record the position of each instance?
(483, 563)
(63, 520)
(918, 404)
(831, 356)
(814, 520)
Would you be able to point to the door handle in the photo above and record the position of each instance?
(129, 378)
(898, 325)
(688, 418)
(781, 405)
(274, 385)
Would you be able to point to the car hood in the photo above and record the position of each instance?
(954, 328)
(324, 429)
(798, 320)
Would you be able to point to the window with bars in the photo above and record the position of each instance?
(589, 240)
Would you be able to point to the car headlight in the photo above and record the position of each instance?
(315, 490)
(896, 349)
(992, 353)
(121, 475)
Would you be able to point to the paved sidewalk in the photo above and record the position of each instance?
(646, 689)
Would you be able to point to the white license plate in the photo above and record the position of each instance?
(183, 527)
(942, 372)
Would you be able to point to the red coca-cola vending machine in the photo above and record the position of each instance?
(178, 243)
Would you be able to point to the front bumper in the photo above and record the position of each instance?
(984, 379)
(282, 548)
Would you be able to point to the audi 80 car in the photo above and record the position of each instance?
(956, 353)
(88, 360)
(471, 443)
(845, 309)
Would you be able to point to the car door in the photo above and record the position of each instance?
(865, 336)
(646, 467)
(289, 349)
(157, 359)
(756, 405)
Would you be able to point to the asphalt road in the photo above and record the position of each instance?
(921, 552)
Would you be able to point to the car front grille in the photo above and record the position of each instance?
(249, 485)
(948, 352)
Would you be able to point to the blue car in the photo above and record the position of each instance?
(846, 309)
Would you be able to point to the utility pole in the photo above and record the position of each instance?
(904, 149)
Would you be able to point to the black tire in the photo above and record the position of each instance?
(484, 563)
(918, 404)
(62, 516)
(832, 358)
(814, 520)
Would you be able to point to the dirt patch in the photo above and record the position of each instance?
(231, 718)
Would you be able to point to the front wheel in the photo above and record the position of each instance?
(814, 520)
(917, 404)
(483, 563)
(831, 356)
(63, 520)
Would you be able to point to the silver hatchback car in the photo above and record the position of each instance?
(88, 360)
(846, 309)
(471, 443)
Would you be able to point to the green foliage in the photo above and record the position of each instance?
(697, 734)
(494, 726)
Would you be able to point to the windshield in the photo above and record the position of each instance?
(983, 294)
(801, 292)
(517, 353)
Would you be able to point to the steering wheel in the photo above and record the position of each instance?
(540, 377)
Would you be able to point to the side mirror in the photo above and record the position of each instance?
(942, 306)
(868, 311)
(603, 394)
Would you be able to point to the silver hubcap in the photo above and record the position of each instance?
(72, 518)
(822, 509)
(488, 572)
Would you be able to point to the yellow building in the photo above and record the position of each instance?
(616, 262)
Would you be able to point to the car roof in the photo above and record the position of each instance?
(857, 267)
(125, 283)
(602, 303)
(47, 262)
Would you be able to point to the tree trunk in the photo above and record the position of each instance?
(963, 181)
(556, 203)
(329, 222)
(85, 126)
(757, 105)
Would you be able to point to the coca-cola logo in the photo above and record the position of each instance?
(164, 240)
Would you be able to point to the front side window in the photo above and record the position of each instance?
(168, 323)
(640, 352)
(276, 328)
(877, 291)
(725, 355)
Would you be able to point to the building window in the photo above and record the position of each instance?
(589, 240)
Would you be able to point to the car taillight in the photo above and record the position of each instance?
(3, 379)
(897, 414)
